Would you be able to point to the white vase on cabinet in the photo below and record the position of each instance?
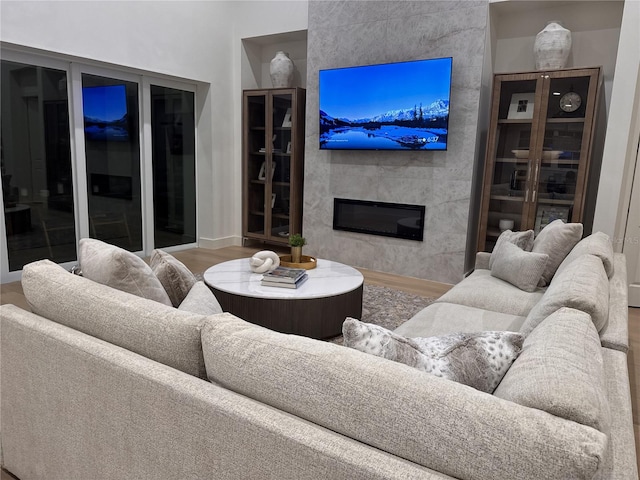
(552, 46)
(281, 70)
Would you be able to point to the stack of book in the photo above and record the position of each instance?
(284, 277)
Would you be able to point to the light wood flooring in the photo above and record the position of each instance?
(199, 259)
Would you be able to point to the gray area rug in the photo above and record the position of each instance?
(387, 307)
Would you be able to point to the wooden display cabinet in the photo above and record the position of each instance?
(272, 163)
(539, 150)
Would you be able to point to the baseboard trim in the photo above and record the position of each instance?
(215, 243)
(634, 295)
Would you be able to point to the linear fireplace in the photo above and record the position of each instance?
(379, 218)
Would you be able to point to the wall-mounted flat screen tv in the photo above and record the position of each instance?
(392, 106)
(105, 113)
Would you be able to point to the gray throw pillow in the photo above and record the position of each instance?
(201, 299)
(175, 277)
(478, 360)
(519, 268)
(561, 371)
(119, 269)
(524, 240)
(556, 240)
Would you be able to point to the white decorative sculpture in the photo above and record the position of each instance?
(552, 46)
(281, 70)
(264, 261)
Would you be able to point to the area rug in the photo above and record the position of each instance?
(387, 307)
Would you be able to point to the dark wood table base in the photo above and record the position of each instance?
(315, 317)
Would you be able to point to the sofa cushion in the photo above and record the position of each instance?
(117, 268)
(481, 290)
(560, 371)
(201, 299)
(174, 276)
(157, 331)
(556, 240)
(597, 244)
(583, 285)
(615, 333)
(479, 359)
(519, 268)
(442, 318)
(396, 408)
(523, 240)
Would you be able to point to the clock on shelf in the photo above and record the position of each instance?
(570, 102)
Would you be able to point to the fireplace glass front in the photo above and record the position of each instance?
(379, 218)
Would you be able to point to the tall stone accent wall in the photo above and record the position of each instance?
(349, 33)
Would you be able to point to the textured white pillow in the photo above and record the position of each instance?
(478, 360)
(519, 268)
(556, 240)
(524, 240)
(119, 269)
(201, 299)
(560, 371)
(174, 276)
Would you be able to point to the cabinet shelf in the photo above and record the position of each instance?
(566, 120)
(512, 160)
(515, 120)
(554, 201)
(507, 198)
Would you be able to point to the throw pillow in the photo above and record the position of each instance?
(597, 244)
(120, 269)
(524, 240)
(201, 299)
(478, 360)
(556, 240)
(583, 285)
(519, 268)
(561, 371)
(174, 276)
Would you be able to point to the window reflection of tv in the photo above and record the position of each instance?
(392, 106)
(105, 113)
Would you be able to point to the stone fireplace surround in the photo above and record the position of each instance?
(342, 34)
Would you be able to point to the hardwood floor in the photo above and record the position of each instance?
(199, 259)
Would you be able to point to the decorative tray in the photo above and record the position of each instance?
(307, 262)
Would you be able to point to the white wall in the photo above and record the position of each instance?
(192, 40)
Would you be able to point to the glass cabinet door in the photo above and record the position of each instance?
(564, 151)
(510, 158)
(281, 164)
(256, 163)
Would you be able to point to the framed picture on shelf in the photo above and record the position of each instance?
(521, 106)
(548, 213)
(273, 200)
(262, 175)
(287, 118)
(288, 147)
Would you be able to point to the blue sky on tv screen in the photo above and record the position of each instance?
(363, 92)
(105, 103)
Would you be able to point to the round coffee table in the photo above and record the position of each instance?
(316, 309)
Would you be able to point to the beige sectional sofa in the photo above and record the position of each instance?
(101, 384)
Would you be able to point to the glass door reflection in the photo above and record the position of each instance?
(112, 150)
(37, 186)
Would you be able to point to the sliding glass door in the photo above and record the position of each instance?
(112, 157)
(173, 154)
(81, 157)
(35, 155)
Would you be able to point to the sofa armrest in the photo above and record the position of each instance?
(482, 260)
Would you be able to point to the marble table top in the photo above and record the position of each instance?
(326, 280)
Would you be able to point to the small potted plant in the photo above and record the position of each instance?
(296, 241)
